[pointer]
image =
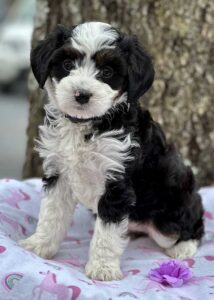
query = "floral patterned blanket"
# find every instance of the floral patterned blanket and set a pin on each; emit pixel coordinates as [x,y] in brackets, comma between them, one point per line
[23,275]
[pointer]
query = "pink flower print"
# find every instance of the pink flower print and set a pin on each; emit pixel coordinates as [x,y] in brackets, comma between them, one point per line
[209,257]
[50,285]
[132,272]
[190,262]
[2,249]
[208,215]
[14,224]
[16,197]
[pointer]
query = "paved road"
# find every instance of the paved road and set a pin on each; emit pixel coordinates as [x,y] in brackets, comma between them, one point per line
[13,124]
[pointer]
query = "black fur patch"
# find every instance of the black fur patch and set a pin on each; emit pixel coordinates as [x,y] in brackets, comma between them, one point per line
[56,66]
[41,56]
[161,187]
[49,182]
[114,59]
[116,203]
[140,67]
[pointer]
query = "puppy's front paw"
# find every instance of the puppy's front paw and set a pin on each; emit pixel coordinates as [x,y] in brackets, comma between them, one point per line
[41,247]
[103,271]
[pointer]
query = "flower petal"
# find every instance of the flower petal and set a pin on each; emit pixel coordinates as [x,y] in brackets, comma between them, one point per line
[154,275]
[174,282]
[170,279]
[173,273]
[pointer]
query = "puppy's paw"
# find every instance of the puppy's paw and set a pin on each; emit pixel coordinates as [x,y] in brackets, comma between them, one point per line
[100,271]
[183,249]
[41,247]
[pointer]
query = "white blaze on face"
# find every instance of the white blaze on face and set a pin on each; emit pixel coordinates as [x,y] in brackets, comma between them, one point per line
[87,38]
[101,100]
[93,36]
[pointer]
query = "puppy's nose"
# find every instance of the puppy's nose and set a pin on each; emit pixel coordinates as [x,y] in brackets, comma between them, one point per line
[82,97]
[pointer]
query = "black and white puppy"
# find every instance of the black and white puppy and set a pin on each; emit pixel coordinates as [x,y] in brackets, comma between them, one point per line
[102,150]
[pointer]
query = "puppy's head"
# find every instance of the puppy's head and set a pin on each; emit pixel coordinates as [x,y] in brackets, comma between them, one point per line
[91,68]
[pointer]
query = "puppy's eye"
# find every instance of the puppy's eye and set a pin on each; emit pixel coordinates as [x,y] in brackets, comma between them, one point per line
[107,72]
[68,64]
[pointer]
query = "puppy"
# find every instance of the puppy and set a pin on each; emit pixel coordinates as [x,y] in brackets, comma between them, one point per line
[102,150]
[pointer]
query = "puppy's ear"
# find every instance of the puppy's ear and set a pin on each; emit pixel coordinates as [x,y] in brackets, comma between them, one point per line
[140,68]
[41,55]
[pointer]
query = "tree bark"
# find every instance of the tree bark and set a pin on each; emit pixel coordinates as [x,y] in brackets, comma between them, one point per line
[179,35]
[49,13]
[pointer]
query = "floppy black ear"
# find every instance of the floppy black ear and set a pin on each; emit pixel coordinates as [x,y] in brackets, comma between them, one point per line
[140,68]
[41,55]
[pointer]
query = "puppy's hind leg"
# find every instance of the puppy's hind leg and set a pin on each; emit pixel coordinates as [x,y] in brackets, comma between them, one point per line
[180,250]
[183,249]
[191,231]
[162,240]
[55,216]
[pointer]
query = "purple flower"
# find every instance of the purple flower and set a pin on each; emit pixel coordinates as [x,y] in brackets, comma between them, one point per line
[174,273]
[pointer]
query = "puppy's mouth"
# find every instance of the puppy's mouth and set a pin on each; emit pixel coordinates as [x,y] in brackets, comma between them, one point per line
[80,120]
[77,118]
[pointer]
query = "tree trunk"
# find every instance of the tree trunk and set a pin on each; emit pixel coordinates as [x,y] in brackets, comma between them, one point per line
[49,13]
[179,35]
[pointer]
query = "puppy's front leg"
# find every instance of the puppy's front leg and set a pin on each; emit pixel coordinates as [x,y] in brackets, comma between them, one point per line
[55,216]
[110,233]
[107,246]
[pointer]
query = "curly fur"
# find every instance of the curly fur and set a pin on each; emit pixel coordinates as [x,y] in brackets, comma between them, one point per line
[109,155]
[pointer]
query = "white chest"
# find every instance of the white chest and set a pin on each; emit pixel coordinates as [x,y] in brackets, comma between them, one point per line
[86,164]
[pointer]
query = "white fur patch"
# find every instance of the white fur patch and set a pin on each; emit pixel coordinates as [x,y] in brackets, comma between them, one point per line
[86,165]
[107,245]
[102,99]
[93,36]
[54,219]
[183,249]
[162,240]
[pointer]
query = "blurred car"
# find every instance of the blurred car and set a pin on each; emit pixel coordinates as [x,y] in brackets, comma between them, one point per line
[15,38]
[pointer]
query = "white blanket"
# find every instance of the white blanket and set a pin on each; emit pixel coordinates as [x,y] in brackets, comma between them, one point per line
[23,275]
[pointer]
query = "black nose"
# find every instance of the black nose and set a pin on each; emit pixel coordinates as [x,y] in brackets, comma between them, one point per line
[82,97]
